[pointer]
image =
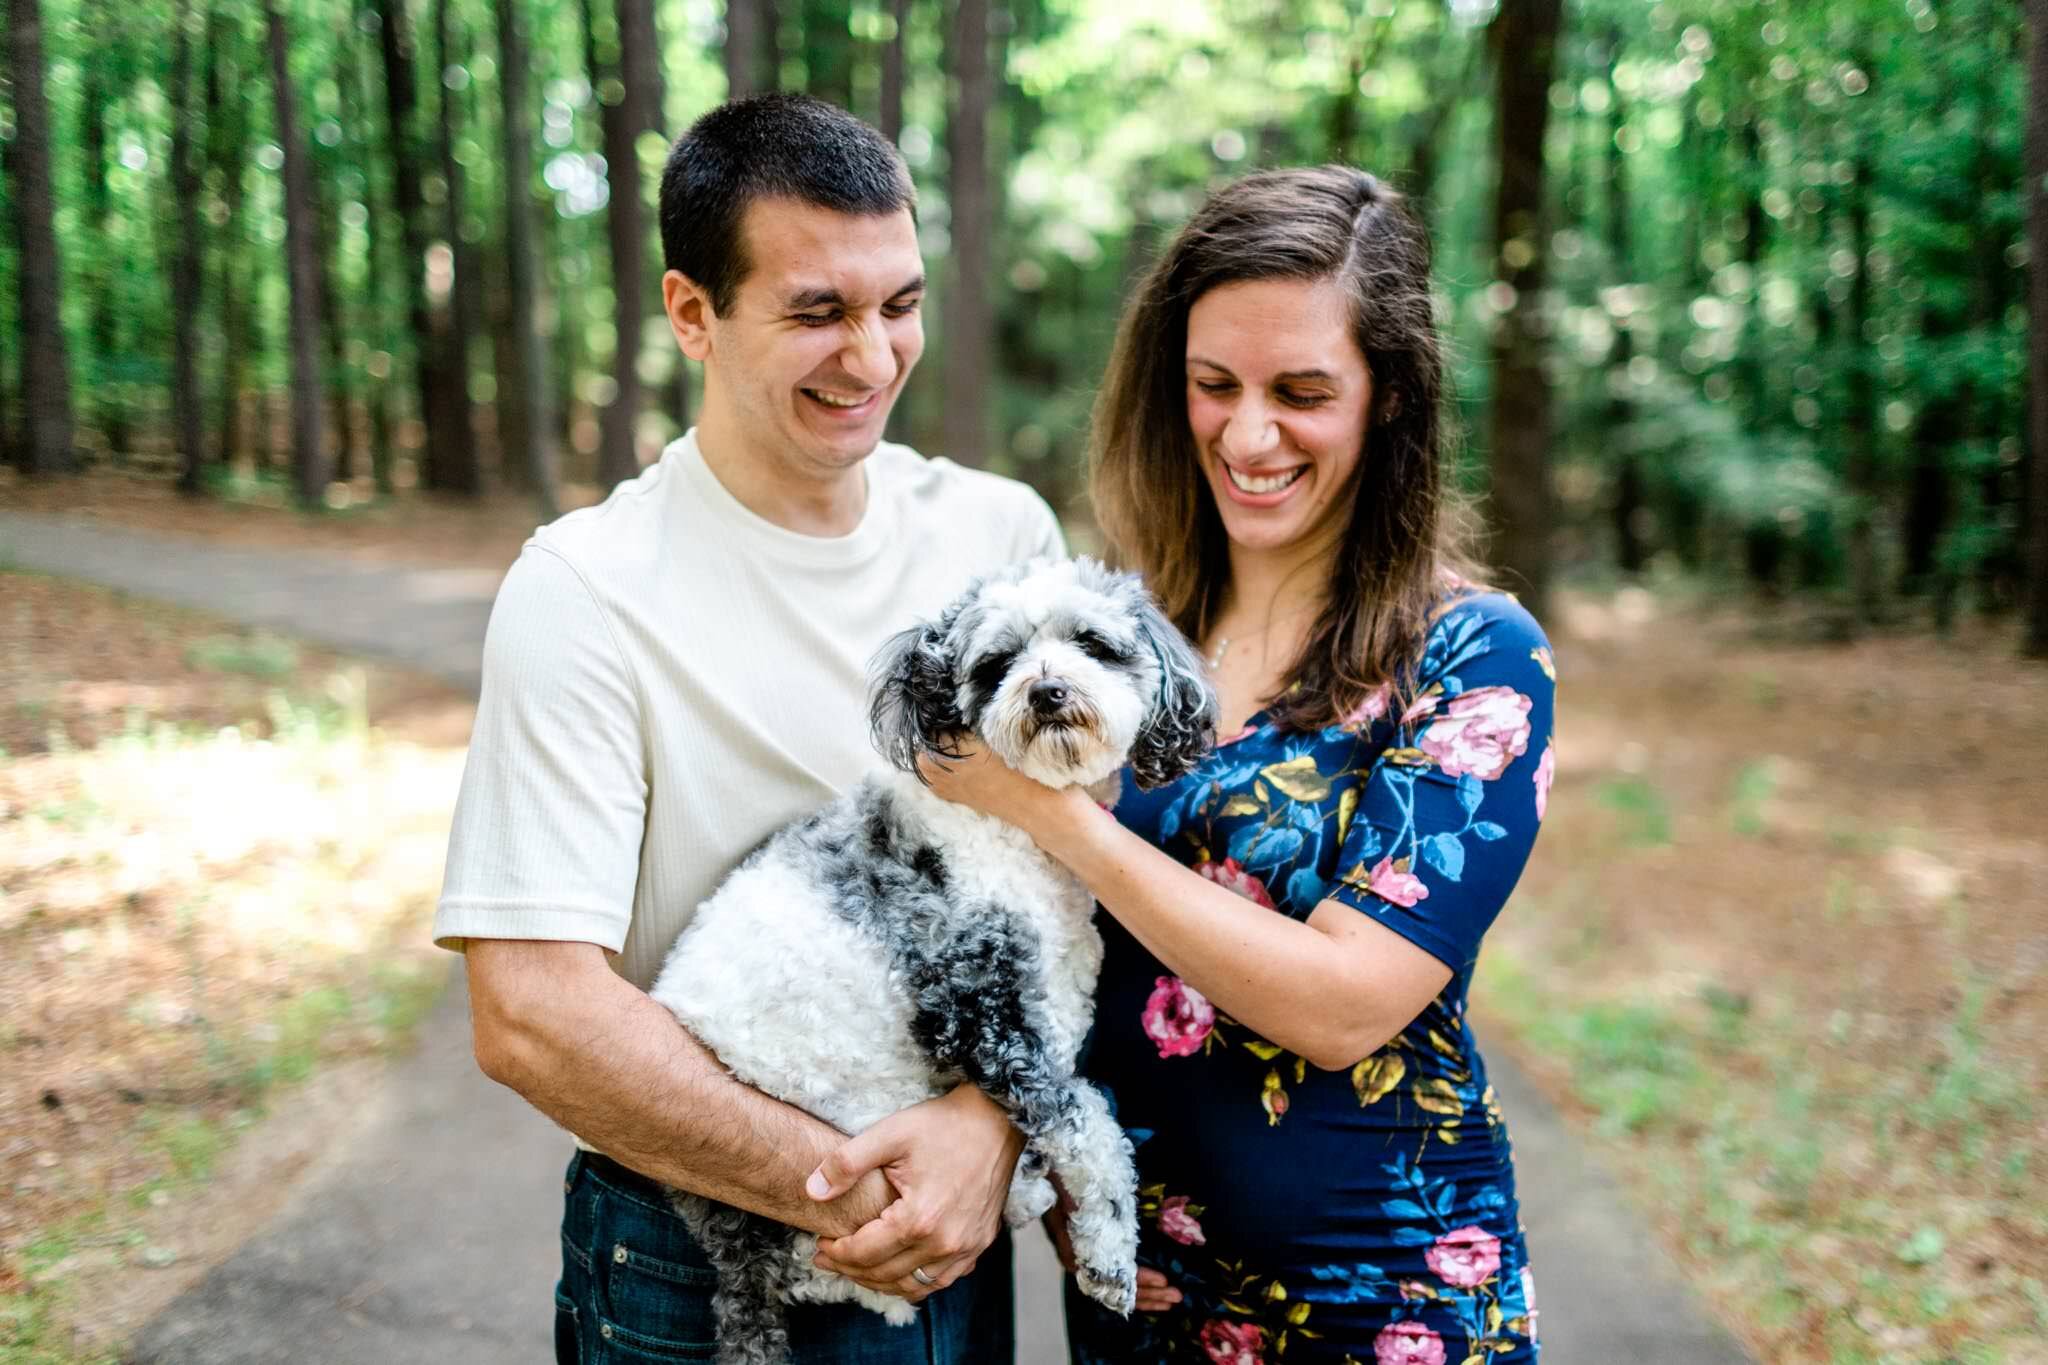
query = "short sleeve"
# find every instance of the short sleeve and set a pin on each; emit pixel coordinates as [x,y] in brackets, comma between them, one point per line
[1041,537]
[1450,808]
[548,827]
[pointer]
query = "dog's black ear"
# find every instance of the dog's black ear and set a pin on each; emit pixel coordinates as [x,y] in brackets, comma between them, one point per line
[1181,726]
[910,696]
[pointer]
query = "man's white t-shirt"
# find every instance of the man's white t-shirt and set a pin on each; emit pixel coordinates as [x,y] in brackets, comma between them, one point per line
[669,678]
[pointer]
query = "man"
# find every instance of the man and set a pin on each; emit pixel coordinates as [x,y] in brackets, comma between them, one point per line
[672,675]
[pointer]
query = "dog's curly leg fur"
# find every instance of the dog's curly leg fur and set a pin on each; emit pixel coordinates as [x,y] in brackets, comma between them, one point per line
[750,1254]
[981,1012]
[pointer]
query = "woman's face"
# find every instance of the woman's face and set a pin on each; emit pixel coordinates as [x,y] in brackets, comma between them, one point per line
[1278,397]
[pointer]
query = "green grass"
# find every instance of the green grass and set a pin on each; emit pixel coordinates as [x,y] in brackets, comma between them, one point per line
[257,655]
[1755,785]
[1643,814]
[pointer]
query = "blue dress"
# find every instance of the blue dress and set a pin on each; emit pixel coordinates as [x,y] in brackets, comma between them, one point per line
[1366,1214]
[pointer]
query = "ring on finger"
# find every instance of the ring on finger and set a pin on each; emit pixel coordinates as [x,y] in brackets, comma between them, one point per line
[918,1273]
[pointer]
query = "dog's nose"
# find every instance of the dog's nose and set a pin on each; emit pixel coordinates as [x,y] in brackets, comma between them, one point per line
[1048,695]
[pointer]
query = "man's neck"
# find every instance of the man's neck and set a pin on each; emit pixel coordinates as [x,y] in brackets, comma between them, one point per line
[778,491]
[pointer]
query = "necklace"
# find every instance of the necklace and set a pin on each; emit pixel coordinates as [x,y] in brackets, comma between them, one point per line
[1216,654]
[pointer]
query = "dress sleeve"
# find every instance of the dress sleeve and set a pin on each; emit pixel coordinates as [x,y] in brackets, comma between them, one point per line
[548,827]
[1449,810]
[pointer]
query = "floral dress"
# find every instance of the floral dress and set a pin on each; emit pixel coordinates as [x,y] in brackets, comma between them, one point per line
[1364,1215]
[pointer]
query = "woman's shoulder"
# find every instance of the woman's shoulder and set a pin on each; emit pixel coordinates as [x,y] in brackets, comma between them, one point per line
[1473,620]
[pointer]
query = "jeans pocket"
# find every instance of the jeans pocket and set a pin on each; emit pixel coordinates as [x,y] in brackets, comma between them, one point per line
[654,1282]
[568,1346]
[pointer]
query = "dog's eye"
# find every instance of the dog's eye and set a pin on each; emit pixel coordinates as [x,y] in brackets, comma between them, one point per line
[988,675]
[1100,649]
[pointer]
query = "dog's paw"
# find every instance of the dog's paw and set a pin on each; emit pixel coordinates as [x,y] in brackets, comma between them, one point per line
[1116,1290]
[898,1313]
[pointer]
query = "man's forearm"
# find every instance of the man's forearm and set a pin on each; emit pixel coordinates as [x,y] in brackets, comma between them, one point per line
[616,1069]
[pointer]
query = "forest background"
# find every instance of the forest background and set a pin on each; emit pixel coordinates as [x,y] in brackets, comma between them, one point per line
[1740,299]
[1735,283]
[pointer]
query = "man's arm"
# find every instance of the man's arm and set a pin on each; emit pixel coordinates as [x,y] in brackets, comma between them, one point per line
[594,1053]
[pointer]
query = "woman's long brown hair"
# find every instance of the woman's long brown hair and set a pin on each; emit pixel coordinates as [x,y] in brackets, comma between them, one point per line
[1407,531]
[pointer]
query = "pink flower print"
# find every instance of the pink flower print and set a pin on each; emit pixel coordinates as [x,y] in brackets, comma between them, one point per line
[1546,773]
[1229,873]
[1481,732]
[1396,884]
[1466,1257]
[1238,1343]
[1373,708]
[1407,1343]
[1176,1222]
[1177,1017]
[1423,706]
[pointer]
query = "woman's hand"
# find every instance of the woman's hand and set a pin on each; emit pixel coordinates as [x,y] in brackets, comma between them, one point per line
[977,779]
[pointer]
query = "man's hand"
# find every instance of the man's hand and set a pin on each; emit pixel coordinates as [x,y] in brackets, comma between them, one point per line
[950,1161]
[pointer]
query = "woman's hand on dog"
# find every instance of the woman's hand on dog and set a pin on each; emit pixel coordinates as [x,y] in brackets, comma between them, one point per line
[972,776]
[1155,1295]
[950,1160]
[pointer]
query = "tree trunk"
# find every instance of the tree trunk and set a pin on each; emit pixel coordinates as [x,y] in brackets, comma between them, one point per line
[889,115]
[745,47]
[1859,420]
[302,245]
[227,135]
[529,437]
[621,72]
[1630,553]
[47,438]
[372,314]
[109,405]
[969,320]
[1524,37]
[444,406]
[2036,181]
[188,264]
[465,306]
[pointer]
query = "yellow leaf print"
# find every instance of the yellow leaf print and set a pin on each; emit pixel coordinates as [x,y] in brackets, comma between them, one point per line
[1298,778]
[1276,1292]
[1441,1044]
[1265,1052]
[1543,661]
[1407,758]
[1347,806]
[1298,1314]
[1259,790]
[1375,1078]
[1300,1070]
[1273,1099]
[1241,805]
[1479,1359]
[1438,1096]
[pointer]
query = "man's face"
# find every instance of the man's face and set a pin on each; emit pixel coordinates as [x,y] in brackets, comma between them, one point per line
[820,335]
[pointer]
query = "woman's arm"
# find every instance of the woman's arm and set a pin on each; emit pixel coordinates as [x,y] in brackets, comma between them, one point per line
[1444,823]
[1332,988]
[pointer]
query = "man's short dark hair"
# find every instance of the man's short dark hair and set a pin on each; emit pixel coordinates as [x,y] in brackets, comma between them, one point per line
[786,145]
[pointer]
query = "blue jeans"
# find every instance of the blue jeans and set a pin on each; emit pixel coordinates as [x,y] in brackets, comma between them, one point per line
[636,1287]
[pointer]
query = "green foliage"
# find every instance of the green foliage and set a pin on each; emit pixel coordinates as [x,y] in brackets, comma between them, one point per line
[256,654]
[1708,163]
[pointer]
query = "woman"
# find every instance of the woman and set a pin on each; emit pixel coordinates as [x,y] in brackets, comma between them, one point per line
[1280,1020]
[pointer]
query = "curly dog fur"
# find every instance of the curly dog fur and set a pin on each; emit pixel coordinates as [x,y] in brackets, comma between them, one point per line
[894,944]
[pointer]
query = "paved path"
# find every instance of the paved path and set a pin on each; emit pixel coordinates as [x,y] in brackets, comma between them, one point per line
[429,1234]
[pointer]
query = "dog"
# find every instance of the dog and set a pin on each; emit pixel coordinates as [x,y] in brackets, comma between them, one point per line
[895,944]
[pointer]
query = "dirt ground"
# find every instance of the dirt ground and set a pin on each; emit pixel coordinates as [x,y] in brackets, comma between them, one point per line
[1782,954]
[218,851]
[414,528]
